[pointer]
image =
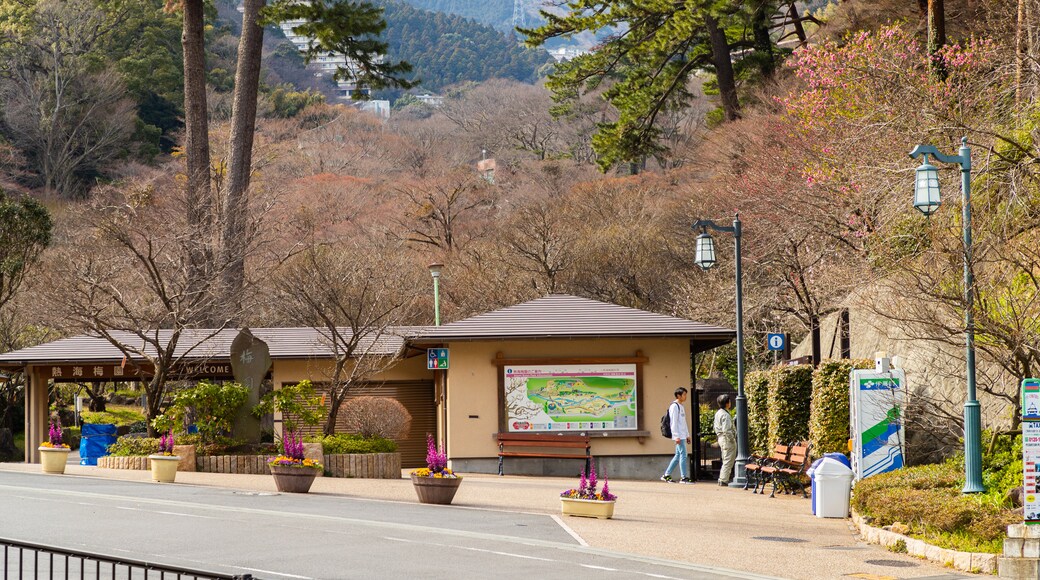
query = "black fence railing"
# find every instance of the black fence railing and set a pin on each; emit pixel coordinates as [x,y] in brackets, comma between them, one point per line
[22,561]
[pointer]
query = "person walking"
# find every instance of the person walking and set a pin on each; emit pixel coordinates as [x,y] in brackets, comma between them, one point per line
[727,434]
[681,436]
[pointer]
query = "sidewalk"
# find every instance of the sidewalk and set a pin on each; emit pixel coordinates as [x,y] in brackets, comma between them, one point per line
[701,523]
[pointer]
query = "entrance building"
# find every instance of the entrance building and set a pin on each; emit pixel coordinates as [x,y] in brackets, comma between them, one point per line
[557,364]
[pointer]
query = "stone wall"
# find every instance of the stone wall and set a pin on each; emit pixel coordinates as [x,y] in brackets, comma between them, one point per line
[966,561]
[366,465]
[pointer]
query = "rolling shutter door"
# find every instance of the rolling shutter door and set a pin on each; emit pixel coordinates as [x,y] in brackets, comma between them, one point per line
[417,397]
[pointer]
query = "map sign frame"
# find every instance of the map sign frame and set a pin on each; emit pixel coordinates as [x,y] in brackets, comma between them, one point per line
[571,398]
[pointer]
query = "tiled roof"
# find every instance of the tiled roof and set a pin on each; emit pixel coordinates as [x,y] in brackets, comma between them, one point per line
[554,316]
[563,316]
[208,345]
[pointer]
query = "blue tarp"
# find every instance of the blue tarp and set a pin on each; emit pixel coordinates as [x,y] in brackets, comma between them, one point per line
[94,442]
[98,429]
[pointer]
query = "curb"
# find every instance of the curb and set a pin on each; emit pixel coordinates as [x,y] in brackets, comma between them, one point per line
[973,562]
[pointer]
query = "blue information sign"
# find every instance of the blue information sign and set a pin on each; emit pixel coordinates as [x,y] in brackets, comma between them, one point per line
[436,358]
[776,341]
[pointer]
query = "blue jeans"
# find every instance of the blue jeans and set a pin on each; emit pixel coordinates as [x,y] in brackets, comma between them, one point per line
[680,459]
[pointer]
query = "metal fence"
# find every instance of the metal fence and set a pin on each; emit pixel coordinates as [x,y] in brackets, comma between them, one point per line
[22,560]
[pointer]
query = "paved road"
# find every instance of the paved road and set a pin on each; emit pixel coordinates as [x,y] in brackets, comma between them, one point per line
[281,536]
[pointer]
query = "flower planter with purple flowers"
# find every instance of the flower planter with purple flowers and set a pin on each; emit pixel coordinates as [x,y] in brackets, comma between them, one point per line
[292,472]
[164,463]
[585,501]
[54,454]
[435,483]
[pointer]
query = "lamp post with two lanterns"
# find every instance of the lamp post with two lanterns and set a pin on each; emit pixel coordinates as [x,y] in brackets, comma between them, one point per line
[704,256]
[927,200]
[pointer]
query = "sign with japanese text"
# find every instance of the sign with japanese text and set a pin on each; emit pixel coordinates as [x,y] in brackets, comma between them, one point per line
[570,397]
[97,372]
[876,414]
[1030,450]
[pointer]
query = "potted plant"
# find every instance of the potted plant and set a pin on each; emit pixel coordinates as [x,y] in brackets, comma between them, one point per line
[585,501]
[291,471]
[54,454]
[435,483]
[164,463]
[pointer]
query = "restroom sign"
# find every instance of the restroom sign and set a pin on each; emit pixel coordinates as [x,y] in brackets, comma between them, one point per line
[436,358]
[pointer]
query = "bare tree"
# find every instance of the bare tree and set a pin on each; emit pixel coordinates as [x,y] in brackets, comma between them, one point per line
[127,277]
[70,119]
[354,294]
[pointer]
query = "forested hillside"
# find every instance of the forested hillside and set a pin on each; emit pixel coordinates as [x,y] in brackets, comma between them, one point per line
[445,49]
[809,143]
[496,13]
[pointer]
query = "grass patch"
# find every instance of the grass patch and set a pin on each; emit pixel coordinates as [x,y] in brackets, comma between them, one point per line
[118,415]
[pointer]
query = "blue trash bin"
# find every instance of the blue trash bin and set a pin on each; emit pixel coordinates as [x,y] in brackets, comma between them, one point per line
[841,457]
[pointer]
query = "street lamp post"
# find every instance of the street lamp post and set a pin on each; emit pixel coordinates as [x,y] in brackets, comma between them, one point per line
[927,200]
[435,271]
[704,256]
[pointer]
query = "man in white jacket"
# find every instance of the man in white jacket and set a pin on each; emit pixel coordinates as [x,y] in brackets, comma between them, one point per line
[681,436]
[727,434]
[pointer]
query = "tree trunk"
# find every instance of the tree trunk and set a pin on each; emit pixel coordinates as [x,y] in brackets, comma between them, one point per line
[763,43]
[936,34]
[799,30]
[243,129]
[199,199]
[1020,52]
[723,68]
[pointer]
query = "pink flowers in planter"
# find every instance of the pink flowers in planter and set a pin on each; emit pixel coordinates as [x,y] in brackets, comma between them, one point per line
[587,487]
[54,437]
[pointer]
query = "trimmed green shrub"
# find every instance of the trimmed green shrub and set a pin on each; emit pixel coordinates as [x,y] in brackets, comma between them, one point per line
[127,446]
[928,499]
[352,443]
[214,407]
[790,392]
[829,411]
[756,389]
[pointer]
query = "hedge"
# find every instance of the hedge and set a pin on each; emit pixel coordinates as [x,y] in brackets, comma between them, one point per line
[756,390]
[790,392]
[829,414]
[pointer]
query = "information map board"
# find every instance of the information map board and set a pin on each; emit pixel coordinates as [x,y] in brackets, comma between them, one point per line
[876,415]
[570,397]
[1030,450]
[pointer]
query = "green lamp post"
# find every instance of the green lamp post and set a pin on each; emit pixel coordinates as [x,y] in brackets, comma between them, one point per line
[704,256]
[927,200]
[435,271]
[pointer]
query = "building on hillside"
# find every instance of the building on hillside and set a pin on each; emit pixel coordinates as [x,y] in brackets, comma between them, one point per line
[430,99]
[555,365]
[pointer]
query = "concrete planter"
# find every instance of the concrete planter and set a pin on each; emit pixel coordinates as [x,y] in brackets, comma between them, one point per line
[358,465]
[53,459]
[164,467]
[587,508]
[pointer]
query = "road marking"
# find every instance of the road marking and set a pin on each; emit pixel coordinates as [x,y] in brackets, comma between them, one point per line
[598,567]
[568,529]
[275,573]
[303,519]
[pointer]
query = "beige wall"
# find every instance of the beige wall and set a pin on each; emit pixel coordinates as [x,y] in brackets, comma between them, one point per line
[473,389]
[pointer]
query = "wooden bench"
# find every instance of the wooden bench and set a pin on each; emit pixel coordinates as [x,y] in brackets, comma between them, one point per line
[543,445]
[762,469]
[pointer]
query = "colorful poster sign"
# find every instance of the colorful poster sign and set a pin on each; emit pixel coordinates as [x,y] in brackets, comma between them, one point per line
[876,415]
[570,398]
[1030,450]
